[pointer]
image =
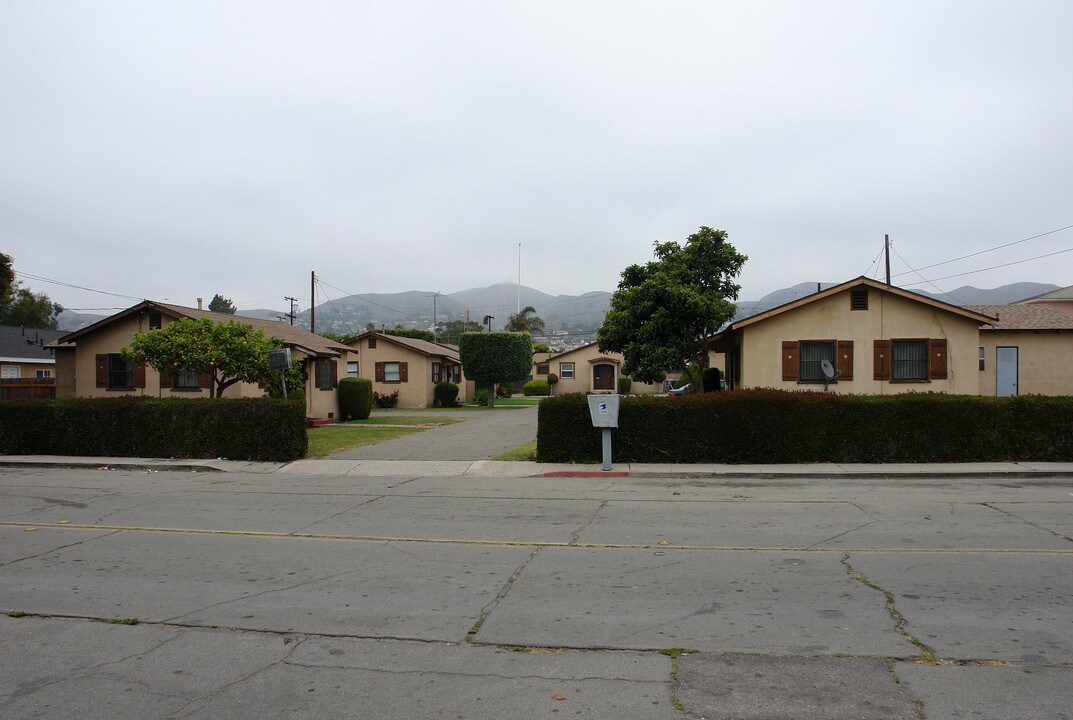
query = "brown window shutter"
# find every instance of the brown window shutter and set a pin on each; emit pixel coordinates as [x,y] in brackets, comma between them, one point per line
[167,380]
[937,359]
[139,375]
[402,372]
[204,380]
[102,371]
[379,372]
[844,360]
[335,372]
[791,360]
[881,360]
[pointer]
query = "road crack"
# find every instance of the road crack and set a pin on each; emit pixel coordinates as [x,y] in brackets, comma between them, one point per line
[927,653]
[494,602]
[575,536]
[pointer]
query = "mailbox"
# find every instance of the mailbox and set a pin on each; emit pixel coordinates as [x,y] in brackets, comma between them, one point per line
[279,359]
[604,410]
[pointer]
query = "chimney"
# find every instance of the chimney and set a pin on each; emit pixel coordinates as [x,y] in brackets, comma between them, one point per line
[199,301]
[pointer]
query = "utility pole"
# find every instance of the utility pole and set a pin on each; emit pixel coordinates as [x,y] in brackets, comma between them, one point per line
[312,301]
[886,251]
[435,295]
[519,310]
[292,315]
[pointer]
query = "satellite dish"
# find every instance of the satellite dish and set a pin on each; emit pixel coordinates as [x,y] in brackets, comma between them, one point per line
[828,369]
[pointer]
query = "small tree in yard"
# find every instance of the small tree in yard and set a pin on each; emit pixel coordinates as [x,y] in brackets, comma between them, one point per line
[230,352]
[664,311]
[489,358]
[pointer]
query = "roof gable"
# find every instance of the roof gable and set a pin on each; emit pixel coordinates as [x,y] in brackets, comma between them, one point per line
[424,347]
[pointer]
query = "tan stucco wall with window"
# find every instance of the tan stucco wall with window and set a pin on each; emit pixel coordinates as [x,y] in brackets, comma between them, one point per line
[418,391]
[1044,361]
[584,359]
[887,317]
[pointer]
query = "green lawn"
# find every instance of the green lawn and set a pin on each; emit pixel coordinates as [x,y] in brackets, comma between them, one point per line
[518,401]
[334,438]
[520,454]
[406,420]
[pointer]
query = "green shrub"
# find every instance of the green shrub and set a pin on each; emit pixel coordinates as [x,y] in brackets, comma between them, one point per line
[355,398]
[480,396]
[536,387]
[446,393]
[712,378]
[624,385]
[775,426]
[261,429]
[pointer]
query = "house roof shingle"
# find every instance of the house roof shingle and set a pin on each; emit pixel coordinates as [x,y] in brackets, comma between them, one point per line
[22,343]
[1025,317]
[422,346]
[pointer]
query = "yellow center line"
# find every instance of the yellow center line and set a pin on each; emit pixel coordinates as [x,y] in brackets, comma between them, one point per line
[331,537]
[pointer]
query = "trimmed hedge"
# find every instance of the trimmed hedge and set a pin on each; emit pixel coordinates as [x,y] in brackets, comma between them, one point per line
[774,426]
[446,393]
[263,429]
[536,387]
[355,398]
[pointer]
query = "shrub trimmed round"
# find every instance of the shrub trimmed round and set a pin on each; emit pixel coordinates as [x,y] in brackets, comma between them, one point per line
[536,387]
[355,398]
[446,393]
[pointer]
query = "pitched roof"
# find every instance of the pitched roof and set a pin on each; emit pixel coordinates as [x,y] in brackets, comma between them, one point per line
[556,356]
[857,282]
[289,335]
[22,343]
[422,346]
[1065,293]
[1025,317]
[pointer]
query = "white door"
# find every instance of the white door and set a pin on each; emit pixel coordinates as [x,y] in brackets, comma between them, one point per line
[1006,371]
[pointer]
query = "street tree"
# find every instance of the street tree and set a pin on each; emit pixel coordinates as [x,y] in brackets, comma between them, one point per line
[492,357]
[221,304]
[21,306]
[525,321]
[664,310]
[230,352]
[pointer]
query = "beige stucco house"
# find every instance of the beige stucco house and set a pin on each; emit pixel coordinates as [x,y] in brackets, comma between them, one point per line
[408,365]
[1028,350]
[89,364]
[881,340]
[586,370]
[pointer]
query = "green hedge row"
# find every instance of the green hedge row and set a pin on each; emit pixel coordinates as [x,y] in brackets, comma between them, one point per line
[263,429]
[774,426]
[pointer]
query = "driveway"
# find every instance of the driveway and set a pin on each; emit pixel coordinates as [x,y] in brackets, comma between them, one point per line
[484,435]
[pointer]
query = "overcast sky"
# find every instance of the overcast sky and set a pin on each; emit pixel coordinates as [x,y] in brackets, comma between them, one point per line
[172,150]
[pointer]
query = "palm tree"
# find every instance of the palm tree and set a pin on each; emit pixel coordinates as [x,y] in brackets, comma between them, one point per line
[526,321]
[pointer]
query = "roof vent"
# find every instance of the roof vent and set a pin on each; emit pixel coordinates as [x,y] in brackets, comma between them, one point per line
[858,299]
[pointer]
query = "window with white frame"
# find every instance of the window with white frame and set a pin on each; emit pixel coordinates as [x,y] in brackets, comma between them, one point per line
[566,371]
[983,358]
[437,374]
[187,379]
[42,374]
[352,369]
[391,372]
[9,372]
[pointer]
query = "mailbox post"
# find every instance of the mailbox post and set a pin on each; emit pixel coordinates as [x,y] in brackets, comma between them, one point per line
[280,360]
[603,409]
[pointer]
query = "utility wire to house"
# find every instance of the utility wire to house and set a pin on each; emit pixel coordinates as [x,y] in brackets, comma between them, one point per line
[365,299]
[929,282]
[995,267]
[997,247]
[39,278]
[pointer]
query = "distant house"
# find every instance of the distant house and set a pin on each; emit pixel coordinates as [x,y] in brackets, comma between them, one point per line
[1061,300]
[27,366]
[1028,350]
[879,338]
[89,363]
[586,370]
[408,365]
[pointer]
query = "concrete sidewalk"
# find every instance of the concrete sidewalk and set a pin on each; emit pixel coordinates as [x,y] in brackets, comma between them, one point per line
[495,468]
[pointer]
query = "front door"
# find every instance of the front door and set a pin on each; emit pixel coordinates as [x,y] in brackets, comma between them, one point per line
[1006,371]
[603,377]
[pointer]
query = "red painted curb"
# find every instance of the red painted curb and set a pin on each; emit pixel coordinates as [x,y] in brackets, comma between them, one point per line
[586,473]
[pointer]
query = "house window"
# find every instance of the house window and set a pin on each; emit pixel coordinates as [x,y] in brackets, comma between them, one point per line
[9,372]
[983,356]
[120,373]
[566,371]
[436,372]
[42,374]
[456,374]
[542,369]
[325,370]
[372,343]
[187,379]
[391,372]
[813,353]
[858,299]
[909,360]
[352,369]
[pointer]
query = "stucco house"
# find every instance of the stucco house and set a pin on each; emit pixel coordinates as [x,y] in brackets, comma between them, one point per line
[408,365]
[1060,299]
[586,370]
[27,364]
[881,339]
[1028,350]
[89,364]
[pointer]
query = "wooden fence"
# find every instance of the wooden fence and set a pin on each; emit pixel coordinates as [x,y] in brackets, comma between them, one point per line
[28,389]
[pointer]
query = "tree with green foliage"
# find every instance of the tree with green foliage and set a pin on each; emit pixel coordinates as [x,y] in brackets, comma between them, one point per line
[452,330]
[664,311]
[411,333]
[355,398]
[541,347]
[221,304]
[20,306]
[230,352]
[490,358]
[525,321]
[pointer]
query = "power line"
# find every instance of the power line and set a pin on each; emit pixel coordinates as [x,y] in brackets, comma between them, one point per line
[929,282]
[371,302]
[995,267]
[997,247]
[77,287]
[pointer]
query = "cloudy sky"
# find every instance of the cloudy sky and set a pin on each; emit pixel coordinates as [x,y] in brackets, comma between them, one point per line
[177,149]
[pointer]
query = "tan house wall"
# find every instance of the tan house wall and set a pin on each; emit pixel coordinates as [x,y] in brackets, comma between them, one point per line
[28,368]
[1044,361]
[887,317]
[418,391]
[584,359]
[65,373]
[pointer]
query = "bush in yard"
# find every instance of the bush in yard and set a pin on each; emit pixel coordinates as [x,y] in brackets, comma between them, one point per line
[355,398]
[261,429]
[775,426]
[480,396]
[536,387]
[712,378]
[445,393]
[553,380]
[386,401]
[624,385]
[489,358]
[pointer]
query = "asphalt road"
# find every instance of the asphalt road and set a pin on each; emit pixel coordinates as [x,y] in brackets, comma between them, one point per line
[286,596]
